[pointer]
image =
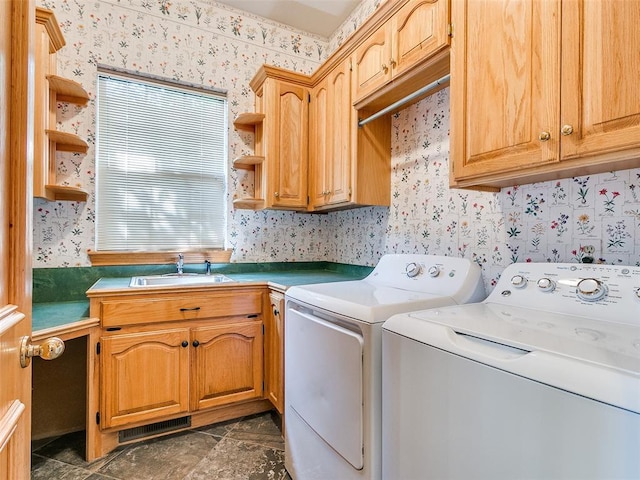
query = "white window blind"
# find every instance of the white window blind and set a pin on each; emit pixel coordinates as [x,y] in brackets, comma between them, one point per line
[161,166]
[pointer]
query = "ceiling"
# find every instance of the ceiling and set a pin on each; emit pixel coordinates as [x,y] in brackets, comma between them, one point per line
[321,17]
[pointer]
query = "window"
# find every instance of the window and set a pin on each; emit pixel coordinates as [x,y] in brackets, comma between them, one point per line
[160,165]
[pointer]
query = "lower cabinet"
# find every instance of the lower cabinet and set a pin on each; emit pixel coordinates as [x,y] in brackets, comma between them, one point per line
[274,351]
[227,364]
[150,375]
[209,354]
[145,375]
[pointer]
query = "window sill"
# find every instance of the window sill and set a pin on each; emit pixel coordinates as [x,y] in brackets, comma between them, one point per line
[104,258]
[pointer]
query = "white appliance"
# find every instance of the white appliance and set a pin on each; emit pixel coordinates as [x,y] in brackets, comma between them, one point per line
[539,381]
[333,364]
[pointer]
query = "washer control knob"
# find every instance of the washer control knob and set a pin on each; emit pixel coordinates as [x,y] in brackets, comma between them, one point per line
[434,271]
[412,270]
[518,281]
[591,289]
[546,284]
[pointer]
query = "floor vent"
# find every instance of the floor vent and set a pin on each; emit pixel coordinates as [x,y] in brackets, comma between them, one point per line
[153,429]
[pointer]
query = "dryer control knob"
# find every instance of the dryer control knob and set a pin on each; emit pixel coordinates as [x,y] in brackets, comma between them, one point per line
[518,281]
[412,270]
[434,271]
[546,284]
[591,289]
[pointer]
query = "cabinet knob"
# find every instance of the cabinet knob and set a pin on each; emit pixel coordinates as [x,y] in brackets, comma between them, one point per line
[276,312]
[196,343]
[385,69]
[567,130]
[544,136]
[392,62]
[185,344]
[276,194]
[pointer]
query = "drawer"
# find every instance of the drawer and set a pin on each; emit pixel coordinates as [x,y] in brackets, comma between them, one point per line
[183,307]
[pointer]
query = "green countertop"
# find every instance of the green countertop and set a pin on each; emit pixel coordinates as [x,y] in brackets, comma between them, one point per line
[55,314]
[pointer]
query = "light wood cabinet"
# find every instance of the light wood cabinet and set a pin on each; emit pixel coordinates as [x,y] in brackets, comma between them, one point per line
[281,142]
[227,364]
[349,165]
[274,351]
[168,353]
[543,90]
[415,33]
[330,150]
[145,376]
[49,90]
[371,62]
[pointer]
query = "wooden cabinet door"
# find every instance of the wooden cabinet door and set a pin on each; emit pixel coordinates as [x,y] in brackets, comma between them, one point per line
[288,117]
[274,352]
[17,21]
[227,364]
[330,145]
[339,134]
[144,376]
[505,74]
[419,29]
[600,111]
[371,62]
[318,152]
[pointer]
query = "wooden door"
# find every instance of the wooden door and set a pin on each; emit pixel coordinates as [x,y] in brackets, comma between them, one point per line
[17,22]
[339,134]
[227,364]
[505,74]
[274,352]
[144,376]
[318,153]
[600,81]
[287,155]
[371,63]
[419,29]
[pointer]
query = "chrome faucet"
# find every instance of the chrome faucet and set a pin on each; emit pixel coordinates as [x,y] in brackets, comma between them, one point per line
[207,267]
[180,263]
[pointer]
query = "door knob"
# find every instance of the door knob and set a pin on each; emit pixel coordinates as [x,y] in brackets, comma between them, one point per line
[49,349]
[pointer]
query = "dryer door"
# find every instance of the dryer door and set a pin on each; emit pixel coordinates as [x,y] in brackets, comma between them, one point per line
[324,380]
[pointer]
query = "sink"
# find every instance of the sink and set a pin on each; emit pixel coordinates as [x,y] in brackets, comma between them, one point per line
[174,279]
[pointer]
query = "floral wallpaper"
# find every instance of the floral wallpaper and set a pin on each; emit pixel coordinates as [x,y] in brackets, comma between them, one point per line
[208,44]
[542,222]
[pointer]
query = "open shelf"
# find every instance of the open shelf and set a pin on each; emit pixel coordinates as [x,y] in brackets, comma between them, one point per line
[247,162]
[249,203]
[68,90]
[66,192]
[67,142]
[248,121]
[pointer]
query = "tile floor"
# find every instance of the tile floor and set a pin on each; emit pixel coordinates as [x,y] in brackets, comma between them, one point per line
[250,448]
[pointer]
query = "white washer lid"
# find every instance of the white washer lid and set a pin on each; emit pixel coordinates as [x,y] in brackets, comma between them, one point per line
[365,301]
[600,360]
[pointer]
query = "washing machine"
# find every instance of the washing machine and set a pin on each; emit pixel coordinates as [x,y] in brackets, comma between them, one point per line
[539,381]
[333,359]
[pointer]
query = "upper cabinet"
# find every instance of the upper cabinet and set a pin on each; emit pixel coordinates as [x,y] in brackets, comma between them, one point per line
[286,108]
[416,33]
[542,90]
[330,142]
[49,90]
[281,130]
[310,153]
[418,30]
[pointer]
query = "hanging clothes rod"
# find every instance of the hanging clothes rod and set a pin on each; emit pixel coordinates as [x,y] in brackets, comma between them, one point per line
[406,99]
